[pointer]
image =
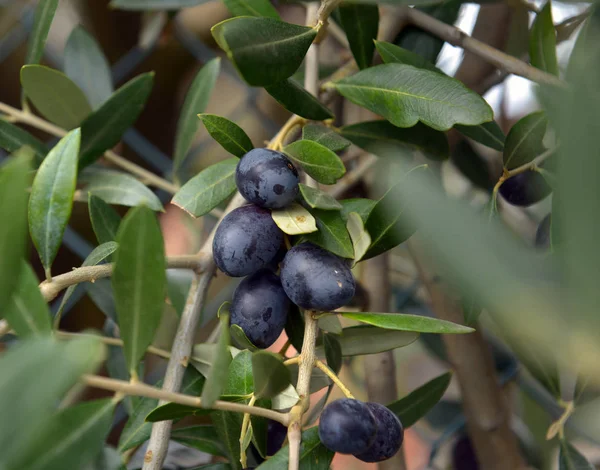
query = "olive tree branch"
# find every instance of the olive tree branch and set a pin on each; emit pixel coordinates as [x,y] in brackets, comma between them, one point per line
[50,289]
[142,390]
[336,380]
[27,117]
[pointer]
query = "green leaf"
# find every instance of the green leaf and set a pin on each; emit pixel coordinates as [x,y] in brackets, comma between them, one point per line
[384,139]
[264,50]
[294,327]
[228,426]
[359,340]
[318,199]
[14,179]
[55,96]
[392,54]
[524,141]
[405,95]
[240,339]
[214,466]
[361,206]
[404,322]
[361,240]
[203,438]
[387,227]
[173,411]
[333,352]
[228,134]
[195,102]
[207,189]
[330,324]
[472,310]
[51,197]
[13,138]
[103,129]
[294,219]
[44,14]
[286,399]
[71,440]
[473,166]
[417,404]
[27,312]
[87,66]
[217,378]
[178,286]
[251,8]
[325,136]
[313,454]
[240,380]
[105,220]
[36,374]
[270,375]
[316,160]
[135,5]
[488,134]
[569,458]
[99,254]
[542,42]
[297,100]
[107,459]
[360,22]
[333,234]
[139,282]
[118,188]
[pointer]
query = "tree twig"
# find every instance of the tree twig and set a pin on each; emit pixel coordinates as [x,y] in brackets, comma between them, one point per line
[50,289]
[336,380]
[139,389]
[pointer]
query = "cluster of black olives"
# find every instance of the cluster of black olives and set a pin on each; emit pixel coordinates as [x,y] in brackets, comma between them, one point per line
[249,243]
[369,431]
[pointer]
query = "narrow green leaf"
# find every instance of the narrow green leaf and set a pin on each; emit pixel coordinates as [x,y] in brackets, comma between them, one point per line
[240,339]
[87,66]
[27,312]
[207,189]
[103,129]
[240,380]
[392,54]
[570,458]
[333,352]
[135,5]
[524,141]
[172,411]
[363,339]
[405,95]
[325,136]
[203,438]
[417,404]
[384,139]
[294,220]
[118,188]
[542,41]
[313,454]
[51,198]
[139,282]
[286,399]
[217,379]
[195,102]
[99,254]
[270,375]
[73,438]
[330,324]
[36,373]
[473,166]
[179,282]
[105,220]
[361,240]
[228,134]
[361,206]
[317,160]
[488,133]
[55,96]
[14,179]
[228,426]
[333,234]
[293,97]
[13,138]
[403,322]
[318,199]
[251,8]
[361,23]
[44,14]
[264,50]
[386,226]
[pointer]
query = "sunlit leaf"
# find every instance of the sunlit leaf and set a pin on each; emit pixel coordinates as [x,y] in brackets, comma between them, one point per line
[317,160]
[404,322]
[44,14]
[325,136]
[318,199]
[294,220]
[228,134]
[361,240]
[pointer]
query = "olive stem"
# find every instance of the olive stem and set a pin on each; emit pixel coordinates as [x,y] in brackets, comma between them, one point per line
[243,432]
[336,380]
[140,389]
